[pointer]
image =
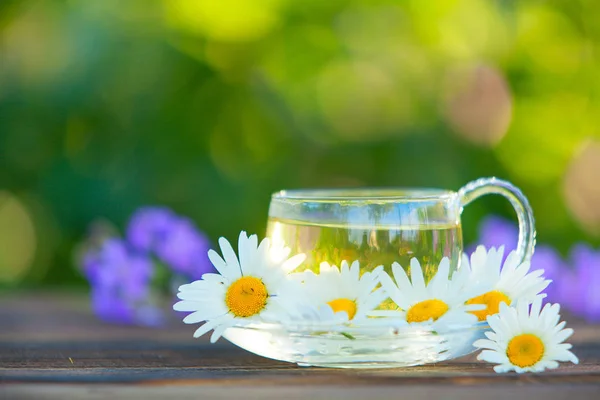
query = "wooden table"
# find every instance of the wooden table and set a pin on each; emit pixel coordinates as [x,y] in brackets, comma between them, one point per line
[52,347]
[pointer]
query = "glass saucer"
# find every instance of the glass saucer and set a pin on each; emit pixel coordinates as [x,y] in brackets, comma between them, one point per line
[357,347]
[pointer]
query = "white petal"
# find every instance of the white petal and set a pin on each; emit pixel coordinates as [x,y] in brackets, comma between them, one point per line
[203,315]
[392,290]
[207,327]
[454,319]
[564,356]
[496,324]
[293,262]
[265,254]
[201,285]
[515,274]
[372,300]
[247,250]
[520,370]
[545,364]
[213,278]
[387,313]
[193,295]
[189,305]
[464,263]
[404,288]
[480,265]
[503,368]
[523,308]
[549,316]
[187,286]
[558,327]
[509,317]
[439,282]
[563,335]
[416,274]
[536,306]
[220,264]
[218,331]
[485,344]
[355,269]
[491,356]
[563,346]
[325,268]
[229,255]
[345,268]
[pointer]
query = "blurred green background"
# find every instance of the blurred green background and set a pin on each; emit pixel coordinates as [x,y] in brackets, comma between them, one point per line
[209,106]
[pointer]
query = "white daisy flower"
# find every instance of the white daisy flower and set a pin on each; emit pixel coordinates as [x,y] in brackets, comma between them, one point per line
[344,290]
[526,341]
[440,303]
[504,284]
[245,290]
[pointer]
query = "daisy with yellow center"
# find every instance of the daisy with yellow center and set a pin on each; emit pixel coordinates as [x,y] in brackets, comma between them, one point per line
[505,284]
[524,340]
[440,303]
[246,290]
[343,290]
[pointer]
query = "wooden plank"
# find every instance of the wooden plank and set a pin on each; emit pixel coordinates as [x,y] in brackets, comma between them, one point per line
[293,392]
[68,356]
[52,347]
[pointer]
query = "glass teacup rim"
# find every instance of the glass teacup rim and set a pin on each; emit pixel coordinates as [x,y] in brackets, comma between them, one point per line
[361,194]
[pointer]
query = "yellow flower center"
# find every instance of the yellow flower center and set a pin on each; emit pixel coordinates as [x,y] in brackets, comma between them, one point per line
[347,305]
[426,310]
[525,350]
[490,299]
[246,297]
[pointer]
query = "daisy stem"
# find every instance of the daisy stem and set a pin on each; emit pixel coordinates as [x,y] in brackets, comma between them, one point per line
[347,335]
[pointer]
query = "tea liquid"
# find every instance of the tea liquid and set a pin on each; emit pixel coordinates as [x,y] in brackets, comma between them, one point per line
[371,245]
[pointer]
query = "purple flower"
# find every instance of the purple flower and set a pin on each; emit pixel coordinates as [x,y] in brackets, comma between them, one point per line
[120,278]
[148,226]
[548,259]
[580,288]
[116,265]
[577,288]
[175,240]
[185,249]
[121,272]
[496,231]
[110,307]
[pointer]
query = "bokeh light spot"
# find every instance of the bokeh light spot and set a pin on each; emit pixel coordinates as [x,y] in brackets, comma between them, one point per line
[361,102]
[581,187]
[479,108]
[17,239]
[548,40]
[461,29]
[36,46]
[224,20]
[543,136]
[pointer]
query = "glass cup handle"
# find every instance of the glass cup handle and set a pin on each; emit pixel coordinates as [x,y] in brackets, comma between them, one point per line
[483,186]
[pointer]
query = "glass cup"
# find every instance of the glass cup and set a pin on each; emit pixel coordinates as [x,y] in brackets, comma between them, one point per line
[382,226]
[376,227]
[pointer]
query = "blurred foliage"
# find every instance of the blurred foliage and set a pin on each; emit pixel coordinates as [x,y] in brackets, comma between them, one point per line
[209,106]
